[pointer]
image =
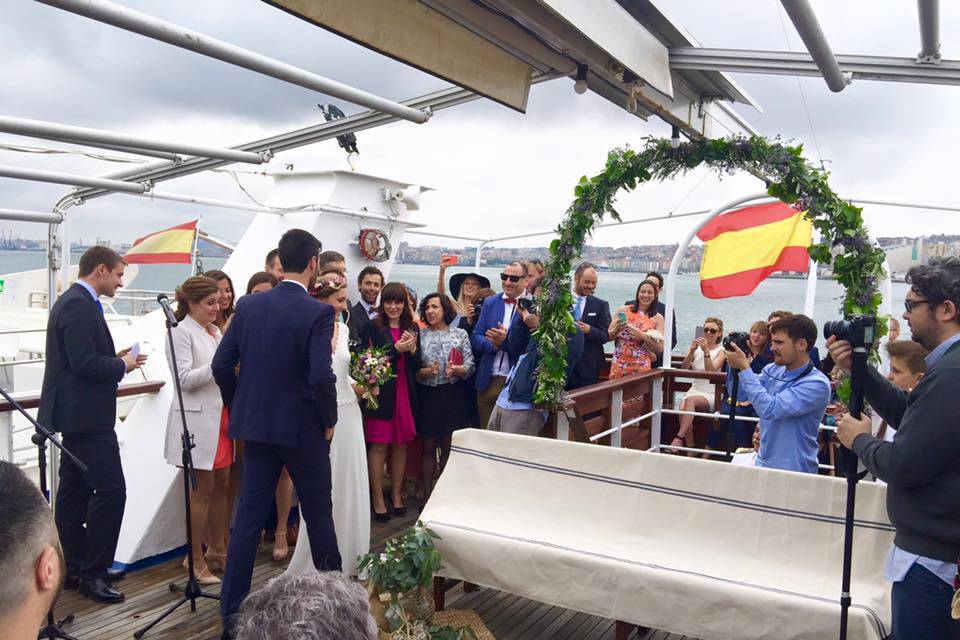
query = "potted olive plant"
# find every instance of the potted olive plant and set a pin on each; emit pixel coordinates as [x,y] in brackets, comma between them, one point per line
[401,575]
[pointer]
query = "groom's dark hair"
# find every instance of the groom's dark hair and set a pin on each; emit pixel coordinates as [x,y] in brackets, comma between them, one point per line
[297,247]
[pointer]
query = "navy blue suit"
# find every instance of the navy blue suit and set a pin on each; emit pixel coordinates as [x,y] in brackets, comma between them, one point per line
[280,405]
[79,399]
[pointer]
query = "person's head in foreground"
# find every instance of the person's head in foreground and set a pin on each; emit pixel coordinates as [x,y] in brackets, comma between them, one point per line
[907,363]
[933,302]
[791,339]
[317,606]
[31,561]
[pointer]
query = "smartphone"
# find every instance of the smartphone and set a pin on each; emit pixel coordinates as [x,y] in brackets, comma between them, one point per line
[698,332]
[450,260]
[135,350]
[622,317]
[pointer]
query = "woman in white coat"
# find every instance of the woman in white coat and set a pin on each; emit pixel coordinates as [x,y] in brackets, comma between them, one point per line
[196,339]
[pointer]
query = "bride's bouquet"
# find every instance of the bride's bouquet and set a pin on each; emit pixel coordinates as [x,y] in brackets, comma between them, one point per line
[370,369]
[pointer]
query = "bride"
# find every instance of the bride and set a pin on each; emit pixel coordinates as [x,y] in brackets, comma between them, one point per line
[348,454]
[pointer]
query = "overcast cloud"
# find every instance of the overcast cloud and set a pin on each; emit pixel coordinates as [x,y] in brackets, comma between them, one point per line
[496,172]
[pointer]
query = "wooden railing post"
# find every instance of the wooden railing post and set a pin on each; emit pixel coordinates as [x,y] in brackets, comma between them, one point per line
[563,426]
[616,417]
[657,416]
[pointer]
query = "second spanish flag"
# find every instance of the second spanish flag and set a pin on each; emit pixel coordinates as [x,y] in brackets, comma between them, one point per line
[743,247]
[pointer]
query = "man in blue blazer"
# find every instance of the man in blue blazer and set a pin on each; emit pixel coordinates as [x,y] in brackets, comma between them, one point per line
[283,406]
[489,338]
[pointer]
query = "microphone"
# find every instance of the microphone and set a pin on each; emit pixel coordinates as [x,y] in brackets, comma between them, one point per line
[167,311]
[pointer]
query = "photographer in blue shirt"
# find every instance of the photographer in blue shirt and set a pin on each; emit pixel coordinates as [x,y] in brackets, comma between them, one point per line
[790,396]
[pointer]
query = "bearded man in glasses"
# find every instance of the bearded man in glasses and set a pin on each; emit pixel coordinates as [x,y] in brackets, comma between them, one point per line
[490,338]
[922,465]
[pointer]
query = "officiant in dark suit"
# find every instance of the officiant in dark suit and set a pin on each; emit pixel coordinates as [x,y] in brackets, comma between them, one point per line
[593,317]
[79,399]
[284,407]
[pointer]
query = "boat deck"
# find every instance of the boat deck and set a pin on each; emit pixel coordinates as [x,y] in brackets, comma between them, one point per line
[508,617]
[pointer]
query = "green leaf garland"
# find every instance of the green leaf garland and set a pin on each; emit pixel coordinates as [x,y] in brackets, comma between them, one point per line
[790,178]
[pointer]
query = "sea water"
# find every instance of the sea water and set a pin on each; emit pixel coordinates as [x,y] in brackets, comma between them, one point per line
[615,287]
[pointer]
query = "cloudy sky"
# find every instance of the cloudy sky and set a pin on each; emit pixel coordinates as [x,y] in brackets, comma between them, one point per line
[496,172]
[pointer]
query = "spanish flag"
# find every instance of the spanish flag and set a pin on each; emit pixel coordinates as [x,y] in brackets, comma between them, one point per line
[173,245]
[743,247]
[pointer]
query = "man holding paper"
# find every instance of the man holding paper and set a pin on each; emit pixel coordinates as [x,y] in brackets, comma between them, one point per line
[79,399]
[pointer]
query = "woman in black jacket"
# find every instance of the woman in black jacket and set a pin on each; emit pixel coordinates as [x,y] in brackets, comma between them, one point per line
[391,424]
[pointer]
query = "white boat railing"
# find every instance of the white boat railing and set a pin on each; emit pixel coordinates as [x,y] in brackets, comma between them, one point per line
[651,387]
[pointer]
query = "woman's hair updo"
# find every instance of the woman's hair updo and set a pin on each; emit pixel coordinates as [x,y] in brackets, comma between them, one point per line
[194,290]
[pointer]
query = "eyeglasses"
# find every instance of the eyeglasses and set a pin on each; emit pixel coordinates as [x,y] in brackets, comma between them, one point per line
[910,304]
[506,276]
[708,330]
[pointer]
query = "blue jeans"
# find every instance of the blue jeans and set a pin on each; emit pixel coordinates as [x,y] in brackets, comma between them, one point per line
[921,607]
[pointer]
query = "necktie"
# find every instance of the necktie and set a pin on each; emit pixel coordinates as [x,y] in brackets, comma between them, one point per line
[578,311]
[509,301]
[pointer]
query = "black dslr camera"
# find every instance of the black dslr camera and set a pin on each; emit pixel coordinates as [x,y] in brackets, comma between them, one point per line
[859,331]
[739,338]
[526,303]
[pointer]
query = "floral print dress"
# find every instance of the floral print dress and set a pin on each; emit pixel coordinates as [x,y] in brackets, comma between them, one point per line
[630,354]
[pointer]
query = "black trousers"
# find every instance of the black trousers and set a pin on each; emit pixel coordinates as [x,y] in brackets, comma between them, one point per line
[90,504]
[309,467]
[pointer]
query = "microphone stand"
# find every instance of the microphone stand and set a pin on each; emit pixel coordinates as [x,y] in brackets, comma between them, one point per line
[847,463]
[53,628]
[191,590]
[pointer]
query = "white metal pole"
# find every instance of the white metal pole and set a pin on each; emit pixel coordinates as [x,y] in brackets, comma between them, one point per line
[71,179]
[65,256]
[93,137]
[476,264]
[668,301]
[810,296]
[21,215]
[178,36]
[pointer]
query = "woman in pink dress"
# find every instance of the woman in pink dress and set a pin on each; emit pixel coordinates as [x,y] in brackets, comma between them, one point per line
[389,427]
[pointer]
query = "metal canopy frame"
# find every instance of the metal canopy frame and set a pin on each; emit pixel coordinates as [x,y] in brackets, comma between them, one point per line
[883,68]
[178,36]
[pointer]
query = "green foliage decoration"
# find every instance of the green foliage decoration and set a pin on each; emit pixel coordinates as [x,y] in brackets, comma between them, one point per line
[858,267]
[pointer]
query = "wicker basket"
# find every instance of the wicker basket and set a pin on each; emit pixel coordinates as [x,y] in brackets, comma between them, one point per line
[458,619]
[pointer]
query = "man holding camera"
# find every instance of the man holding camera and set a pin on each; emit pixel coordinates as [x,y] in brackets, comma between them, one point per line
[789,396]
[921,466]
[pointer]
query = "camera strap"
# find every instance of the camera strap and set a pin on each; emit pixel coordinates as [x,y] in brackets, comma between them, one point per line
[807,370]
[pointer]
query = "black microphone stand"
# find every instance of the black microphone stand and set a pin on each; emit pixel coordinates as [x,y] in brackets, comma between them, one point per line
[53,629]
[847,464]
[191,590]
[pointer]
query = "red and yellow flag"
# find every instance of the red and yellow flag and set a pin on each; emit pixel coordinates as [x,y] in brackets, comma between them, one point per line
[743,247]
[173,245]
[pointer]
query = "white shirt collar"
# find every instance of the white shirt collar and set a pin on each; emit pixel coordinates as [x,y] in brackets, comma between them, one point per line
[298,283]
[90,290]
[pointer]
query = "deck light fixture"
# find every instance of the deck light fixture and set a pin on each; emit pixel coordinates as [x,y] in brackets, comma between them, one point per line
[675,137]
[580,86]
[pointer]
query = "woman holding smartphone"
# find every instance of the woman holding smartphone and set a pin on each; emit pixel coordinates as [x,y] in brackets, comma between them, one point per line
[637,331]
[705,354]
[390,427]
[445,360]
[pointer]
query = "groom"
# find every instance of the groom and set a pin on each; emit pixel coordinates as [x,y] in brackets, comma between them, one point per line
[284,408]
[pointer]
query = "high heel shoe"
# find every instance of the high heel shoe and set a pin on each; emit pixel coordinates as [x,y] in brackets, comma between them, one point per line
[203,574]
[215,561]
[280,548]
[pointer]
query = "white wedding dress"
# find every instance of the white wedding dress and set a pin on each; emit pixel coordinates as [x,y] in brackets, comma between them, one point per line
[348,470]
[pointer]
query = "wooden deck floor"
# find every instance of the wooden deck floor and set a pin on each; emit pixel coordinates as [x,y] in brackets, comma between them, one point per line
[508,617]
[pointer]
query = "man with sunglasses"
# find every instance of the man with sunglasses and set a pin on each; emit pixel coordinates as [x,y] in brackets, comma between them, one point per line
[921,466]
[490,338]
